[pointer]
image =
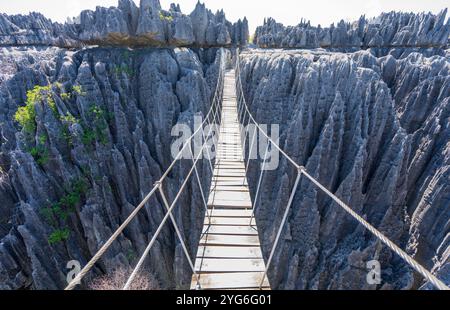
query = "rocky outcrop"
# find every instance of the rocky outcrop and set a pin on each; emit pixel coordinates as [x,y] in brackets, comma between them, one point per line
[240,32]
[389,30]
[34,29]
[372,126]
[108,24]
[101,138]
[127,24]
[374,131]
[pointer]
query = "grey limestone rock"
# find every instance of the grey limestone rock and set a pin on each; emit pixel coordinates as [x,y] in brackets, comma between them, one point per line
[374,131]
[126,25]
[34,29]
[150,25]
[389,30]
[117,140]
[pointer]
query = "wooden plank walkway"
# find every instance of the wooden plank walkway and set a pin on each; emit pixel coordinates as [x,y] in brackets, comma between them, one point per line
[229,253]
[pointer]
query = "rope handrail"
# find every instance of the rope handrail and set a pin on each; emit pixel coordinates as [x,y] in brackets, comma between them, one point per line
[169,214]
[302,170]
[158,184]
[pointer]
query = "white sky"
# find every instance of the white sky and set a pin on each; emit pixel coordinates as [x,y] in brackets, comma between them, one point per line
[288,12]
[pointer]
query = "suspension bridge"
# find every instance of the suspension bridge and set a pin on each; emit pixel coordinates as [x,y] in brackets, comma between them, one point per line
[229,254]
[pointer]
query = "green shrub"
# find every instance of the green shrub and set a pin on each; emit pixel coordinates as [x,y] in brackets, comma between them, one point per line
[26,115]
[80,186]
[100,115]
[123,68]
[67,135]
[96,129]
[67,120]
[40,154]
[65,96]
[60,211]
[73,198]
[59,235]
[88,137]
[131,255]
[42,139]
[48,214]
[163,17]
[77,89]
[97,112]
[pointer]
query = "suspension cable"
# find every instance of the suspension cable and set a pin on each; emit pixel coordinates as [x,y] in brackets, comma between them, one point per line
[161,225]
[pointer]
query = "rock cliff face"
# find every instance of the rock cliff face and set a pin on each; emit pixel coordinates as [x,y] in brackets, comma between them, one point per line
[129,25]
[34,29]
[389,30]
[375,131]
[84,134]
[98,140]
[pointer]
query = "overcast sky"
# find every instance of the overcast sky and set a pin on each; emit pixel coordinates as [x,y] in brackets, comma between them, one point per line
[288,12]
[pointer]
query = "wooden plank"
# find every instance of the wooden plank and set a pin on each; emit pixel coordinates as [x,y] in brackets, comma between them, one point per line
[233,204]
[220,196]
[220,163]
[233,167]
[231,195]
[231,182]
[230,134]
[233,240]
[242,280]
[230,165]
[228,173]
[229,178]
[231,213]
[231,252]
[213,265]
[230,146]
[229,230]
[240,172]
[230,156]
[229,221]
[229,150]
[224,161]
[226,150]
[231,188]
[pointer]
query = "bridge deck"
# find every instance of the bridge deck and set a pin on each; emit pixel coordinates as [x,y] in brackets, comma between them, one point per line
[229,254]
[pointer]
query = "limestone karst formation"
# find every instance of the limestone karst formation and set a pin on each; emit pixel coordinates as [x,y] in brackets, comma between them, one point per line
[390,30]
[87,108]
[375,131]
[129,25]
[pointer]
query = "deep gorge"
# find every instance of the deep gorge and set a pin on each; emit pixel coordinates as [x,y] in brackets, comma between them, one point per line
[87,108]
[114,133]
